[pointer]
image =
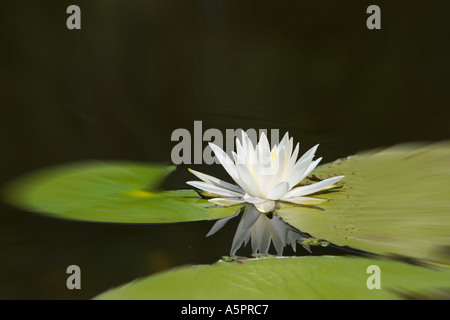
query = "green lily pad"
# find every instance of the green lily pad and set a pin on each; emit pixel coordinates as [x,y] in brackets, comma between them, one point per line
[273,278]
[393,202]
[122,192]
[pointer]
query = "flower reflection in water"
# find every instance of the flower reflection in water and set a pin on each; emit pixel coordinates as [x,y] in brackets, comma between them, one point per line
[261,230]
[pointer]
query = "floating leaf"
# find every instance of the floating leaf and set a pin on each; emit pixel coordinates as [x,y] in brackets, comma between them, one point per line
[394,202]
[123,192]
[273,278]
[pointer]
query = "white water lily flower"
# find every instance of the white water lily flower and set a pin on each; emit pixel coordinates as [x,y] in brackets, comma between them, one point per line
[263,175]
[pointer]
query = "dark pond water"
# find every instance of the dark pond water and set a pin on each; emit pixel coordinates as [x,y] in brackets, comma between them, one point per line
[135,72]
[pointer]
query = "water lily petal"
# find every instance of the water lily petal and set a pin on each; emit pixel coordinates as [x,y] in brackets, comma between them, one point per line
[247,145]
[290,160]
[264,145]
[225,160]
[293,180]
[307,201]
[284,141]
[248,198]
[289,147]
[213,189]
[312,188]
[265,206]
[278,191]
[226,202]
[294,154]
[298,171]
[216,182]
[309,154]
[241,152]
[246,180]
[280,162]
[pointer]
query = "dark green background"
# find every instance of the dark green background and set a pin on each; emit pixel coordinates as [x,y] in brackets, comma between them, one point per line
[137,70]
